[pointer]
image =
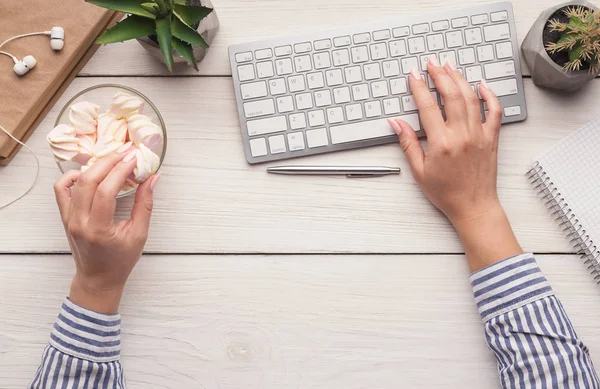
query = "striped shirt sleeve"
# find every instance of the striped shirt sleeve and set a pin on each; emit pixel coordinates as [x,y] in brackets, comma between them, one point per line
[528,330]
[83,352]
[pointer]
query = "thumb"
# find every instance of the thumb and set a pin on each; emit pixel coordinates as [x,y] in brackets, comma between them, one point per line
[410,145]
[142,206]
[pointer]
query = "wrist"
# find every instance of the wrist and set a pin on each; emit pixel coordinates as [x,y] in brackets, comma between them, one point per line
[104,301]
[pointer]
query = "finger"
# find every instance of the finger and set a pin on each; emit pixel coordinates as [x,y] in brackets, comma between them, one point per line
[494,116]
[473,104]
[454,102]
[88,182]
[410,145]
[62,192]
[429,110]
[142,208]
[105,199]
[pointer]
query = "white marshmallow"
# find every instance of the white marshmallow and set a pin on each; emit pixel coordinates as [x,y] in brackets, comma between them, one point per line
[83,117]
[142,130]
[125,105]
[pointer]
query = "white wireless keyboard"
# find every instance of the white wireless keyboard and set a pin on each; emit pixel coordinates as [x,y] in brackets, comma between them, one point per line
[333,90]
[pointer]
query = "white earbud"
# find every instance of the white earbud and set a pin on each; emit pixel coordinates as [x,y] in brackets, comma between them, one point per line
[57,42]
[57,38]
[25,65]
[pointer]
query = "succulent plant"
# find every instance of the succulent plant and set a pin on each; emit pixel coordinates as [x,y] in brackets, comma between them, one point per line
[171,21]
[580,37]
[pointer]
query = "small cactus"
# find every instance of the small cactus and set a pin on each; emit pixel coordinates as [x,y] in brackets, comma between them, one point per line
[580,38]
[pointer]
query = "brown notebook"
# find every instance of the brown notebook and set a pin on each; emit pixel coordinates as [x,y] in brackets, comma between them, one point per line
[25,100]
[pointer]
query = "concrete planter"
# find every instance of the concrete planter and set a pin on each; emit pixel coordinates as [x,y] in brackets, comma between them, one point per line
[208,28]
[544,71]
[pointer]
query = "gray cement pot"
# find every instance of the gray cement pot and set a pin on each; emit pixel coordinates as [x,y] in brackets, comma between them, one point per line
[208,29]
[544,71]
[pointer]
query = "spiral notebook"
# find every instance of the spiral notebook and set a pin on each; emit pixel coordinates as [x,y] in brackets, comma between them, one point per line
[568,179]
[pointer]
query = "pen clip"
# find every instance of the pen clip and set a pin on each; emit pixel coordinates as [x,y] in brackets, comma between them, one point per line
[367,175]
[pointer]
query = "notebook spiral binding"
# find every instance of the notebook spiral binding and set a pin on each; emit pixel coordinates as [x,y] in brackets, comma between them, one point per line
[589,251]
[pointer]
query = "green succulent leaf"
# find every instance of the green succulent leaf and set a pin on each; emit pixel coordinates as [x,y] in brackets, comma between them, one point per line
[576,21]
[150,7]
[186,52]
[186,33]
[575,53]
[190,15]
[163,32]
[162,8]
[130,28]
[133,7]
[180,2]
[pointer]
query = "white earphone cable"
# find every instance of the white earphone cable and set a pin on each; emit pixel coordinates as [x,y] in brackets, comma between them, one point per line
[15,60]
[23,36]
[37,172]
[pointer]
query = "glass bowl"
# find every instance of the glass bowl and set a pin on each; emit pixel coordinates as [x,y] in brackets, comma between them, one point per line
[102,95]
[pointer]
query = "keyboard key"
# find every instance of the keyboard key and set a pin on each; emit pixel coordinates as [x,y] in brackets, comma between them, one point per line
[323,98]
[244,57]
[304,101]
[381,35]
[505,87]
[401,32]
[322,60]
[362,38]
[425,59]
[334,77]
[277,144]
[323,44]
[341,57]
[284,66]
[246,72]
[302,63]
[479,19]
[485,53]
[267,126]
[499,70]
[473,36]
[420,28]
[391,106]
[342,41]
[259,108]
[372,109]
[296,83]
[373,129]
[263,54]
[466,56]
[409,103]
[285,104]
[501,16]
[408,64]
[435,42]
[378,51]
[316,118]
[504,50]
[512,111]
[360,92]
[398,86]
[416,45]
[353,74]
[264,69]
[379,89]
[496,32]
[441,25]
[341,95]
[253,90]
[448,56]
[258,147]
[277,86]
[473,74]
[372,71]
[391,68]
[315,80]
[335,115]
[397,48]
[354,112]
[297,121]
[282,51]
[454,39]
[359,54]
[296,141]
[317,138]
[460,22]
[301,48]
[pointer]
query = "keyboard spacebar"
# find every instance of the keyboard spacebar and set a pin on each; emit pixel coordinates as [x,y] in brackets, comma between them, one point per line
[368,130]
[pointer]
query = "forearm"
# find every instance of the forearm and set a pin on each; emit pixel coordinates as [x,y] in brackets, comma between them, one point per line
[83,351]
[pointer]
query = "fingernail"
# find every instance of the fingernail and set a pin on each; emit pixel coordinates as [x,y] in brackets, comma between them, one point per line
[155,181]
[395,126]
[485,84]
[451,65]
[129,156]
[415,74]
[124,148]
[434,61]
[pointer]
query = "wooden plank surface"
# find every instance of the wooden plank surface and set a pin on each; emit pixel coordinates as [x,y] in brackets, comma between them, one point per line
[211,201]
[246,21]
[280,322]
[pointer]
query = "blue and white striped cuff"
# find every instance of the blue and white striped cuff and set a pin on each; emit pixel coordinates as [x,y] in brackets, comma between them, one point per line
[508,285]
[86,334]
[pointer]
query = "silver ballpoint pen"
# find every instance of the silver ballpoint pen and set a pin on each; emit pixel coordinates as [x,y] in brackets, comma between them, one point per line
[348,171]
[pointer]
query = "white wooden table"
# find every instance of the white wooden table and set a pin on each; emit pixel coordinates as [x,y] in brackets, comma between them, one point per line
[261,281]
